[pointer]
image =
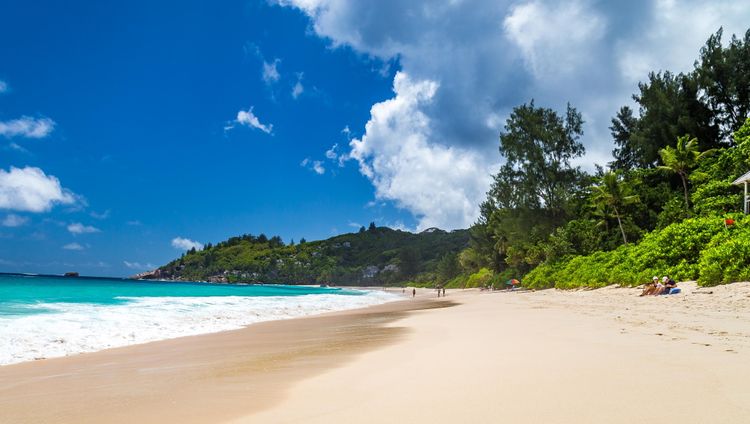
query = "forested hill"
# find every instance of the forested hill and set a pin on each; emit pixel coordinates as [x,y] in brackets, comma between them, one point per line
[374,256]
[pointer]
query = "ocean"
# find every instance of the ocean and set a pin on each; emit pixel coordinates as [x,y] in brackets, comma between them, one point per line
[47,316]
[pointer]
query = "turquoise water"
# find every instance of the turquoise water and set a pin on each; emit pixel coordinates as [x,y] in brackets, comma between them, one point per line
[46,317]
[22,294]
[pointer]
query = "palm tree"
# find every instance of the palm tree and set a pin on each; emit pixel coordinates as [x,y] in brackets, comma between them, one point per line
[681,159]
[611,193]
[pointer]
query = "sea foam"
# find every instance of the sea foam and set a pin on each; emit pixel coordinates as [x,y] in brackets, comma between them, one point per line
[71,328]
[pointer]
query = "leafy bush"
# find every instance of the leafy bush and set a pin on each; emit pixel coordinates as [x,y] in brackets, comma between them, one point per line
[479,278]
[716,198]
[458,282]
[673,211]
[727,257]
[675,251]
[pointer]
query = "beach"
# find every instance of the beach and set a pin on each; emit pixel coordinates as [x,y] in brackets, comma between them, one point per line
[550,356]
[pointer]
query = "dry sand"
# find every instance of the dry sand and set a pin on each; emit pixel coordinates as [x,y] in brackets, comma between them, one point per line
[600,356]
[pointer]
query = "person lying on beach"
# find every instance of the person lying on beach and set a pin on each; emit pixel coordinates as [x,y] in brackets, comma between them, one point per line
[652,287]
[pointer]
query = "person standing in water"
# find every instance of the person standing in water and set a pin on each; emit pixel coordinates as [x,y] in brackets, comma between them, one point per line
[413,292]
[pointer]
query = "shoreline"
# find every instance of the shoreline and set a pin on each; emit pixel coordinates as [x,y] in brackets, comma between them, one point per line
[590,356]
[128,314]
[270,355]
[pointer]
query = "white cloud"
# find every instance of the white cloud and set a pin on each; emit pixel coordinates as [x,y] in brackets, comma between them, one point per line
[298,88]
[27,126]
[98,215]
[139,266]
[313,165]
[676,34]
[554,38]
[186,244]
[438,184]
[17,147]
[331,153]
[465,64]
[78,228]
[248,119]
[13,220]
[270,71]
[73,246]
[3,86]
[30,189]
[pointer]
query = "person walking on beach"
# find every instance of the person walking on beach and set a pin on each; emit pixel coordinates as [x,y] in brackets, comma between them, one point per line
[443,291]
[413,292]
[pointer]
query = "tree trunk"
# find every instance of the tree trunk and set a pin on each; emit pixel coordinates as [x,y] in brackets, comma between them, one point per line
[685,187]
[622,230]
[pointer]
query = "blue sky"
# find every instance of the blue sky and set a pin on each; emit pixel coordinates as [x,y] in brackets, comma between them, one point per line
[129,130]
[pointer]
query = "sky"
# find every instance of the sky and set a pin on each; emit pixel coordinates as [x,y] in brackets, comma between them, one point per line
[133,131]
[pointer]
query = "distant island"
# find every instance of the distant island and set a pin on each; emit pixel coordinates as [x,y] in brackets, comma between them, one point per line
[369,257]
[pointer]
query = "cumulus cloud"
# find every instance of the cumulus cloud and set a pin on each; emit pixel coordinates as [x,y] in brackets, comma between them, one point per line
[27,126]
[441,185]
[13,220]
[186,244]
[247,118]
[78,228]
[139,266]
[331,153]
[465,64]
[270,71]
[314,165]
[29,189]
[676,33]
[298,88]
[544,34]
[73,246]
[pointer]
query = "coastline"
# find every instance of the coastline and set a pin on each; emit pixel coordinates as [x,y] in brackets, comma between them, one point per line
[549,356]
[104,386]
[43,317]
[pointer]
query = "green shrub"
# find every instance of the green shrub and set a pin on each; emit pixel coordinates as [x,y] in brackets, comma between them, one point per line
[716,198]
[675,251]
[457,282]
[673,211]
[479,278]
[727,257]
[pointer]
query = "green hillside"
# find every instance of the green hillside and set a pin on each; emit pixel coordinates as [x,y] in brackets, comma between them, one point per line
[376,256]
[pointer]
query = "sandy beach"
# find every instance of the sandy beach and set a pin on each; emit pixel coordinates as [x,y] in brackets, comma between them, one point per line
[533,357]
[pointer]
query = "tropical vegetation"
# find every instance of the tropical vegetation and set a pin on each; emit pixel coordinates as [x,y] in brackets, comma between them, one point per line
[375,256]
[665,205]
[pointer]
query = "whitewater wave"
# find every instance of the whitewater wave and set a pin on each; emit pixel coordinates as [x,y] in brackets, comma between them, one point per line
[72,328]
